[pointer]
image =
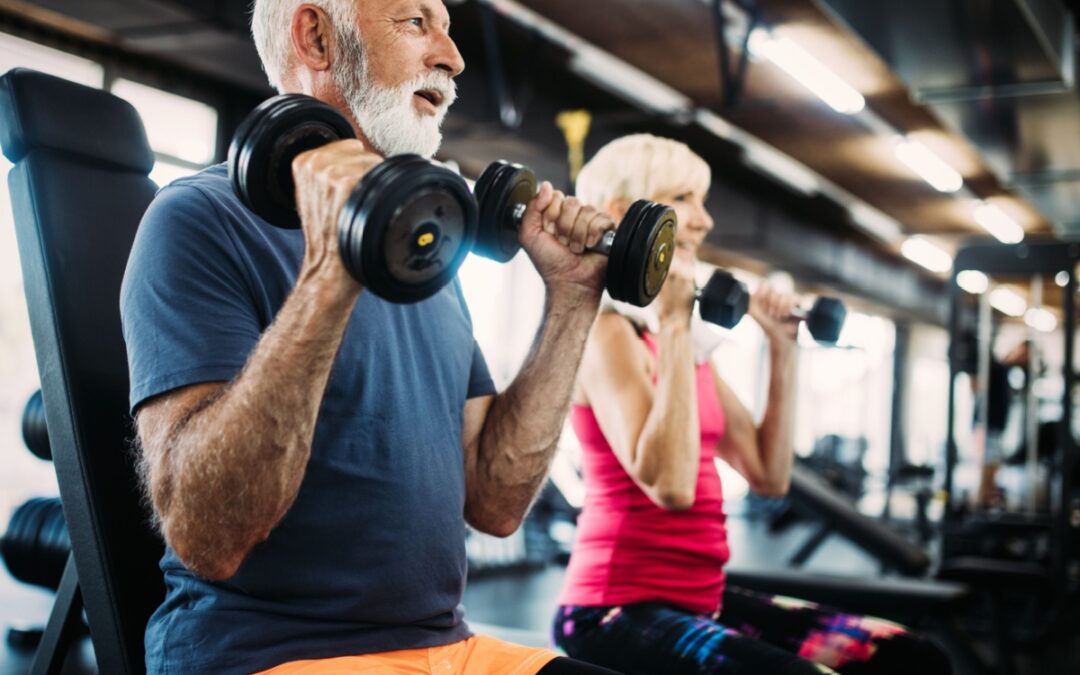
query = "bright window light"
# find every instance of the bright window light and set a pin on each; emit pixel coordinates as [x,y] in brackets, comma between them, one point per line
[996,222]
[928,166]
[15,52]
[175,125]
[922,252]
[1008,302]
[1061,278]
[972,281]
[807,71]
[165,172]
[1040,319]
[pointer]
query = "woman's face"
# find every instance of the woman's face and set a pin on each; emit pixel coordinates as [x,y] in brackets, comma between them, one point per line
[694,221]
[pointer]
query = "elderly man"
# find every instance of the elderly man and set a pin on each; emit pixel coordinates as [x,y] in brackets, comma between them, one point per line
[311,452]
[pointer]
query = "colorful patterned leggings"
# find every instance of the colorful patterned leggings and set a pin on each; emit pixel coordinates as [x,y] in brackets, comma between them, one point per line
[755,633]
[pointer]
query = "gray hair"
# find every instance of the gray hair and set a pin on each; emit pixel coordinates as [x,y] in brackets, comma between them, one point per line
[270,27]
[641,166]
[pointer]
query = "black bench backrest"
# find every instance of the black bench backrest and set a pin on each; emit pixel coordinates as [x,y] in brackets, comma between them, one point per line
[78,191]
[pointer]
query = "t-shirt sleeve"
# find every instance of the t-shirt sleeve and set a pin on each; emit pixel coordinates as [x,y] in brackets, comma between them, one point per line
[187,309]
[480,382]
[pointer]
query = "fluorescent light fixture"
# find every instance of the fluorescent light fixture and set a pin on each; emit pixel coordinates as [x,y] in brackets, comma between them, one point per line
[922,252]
[1061,278]
[875,222]
[1008,302]
[972,281]
[714,124]
[807,71]
[996,222]
[781,166]
[928,166]
[1040,319]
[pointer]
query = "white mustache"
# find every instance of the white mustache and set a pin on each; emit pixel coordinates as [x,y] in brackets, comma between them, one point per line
[436,81]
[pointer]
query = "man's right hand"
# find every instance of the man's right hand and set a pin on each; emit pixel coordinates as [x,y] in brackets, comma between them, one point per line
[675,302]
[324,178]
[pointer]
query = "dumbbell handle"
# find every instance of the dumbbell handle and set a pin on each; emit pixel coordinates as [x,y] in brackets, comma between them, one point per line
[602,247]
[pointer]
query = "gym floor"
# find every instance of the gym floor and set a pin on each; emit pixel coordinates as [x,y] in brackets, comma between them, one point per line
[526,600]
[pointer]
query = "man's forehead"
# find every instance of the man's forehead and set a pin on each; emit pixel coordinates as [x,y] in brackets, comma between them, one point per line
[434,8]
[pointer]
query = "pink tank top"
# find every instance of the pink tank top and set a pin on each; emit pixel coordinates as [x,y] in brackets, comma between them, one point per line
[628,549]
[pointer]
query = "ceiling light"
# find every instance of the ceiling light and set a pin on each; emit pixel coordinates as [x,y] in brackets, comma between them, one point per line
[928,166]
[808,71]
[996,222]
[1061,278]
[1040,319]
[972,281]
[922,252]
[1008,302]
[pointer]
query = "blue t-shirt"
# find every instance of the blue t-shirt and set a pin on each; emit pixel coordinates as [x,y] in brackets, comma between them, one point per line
[371,556]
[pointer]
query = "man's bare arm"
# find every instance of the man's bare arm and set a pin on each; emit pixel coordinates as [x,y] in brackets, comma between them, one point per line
[224,462]
[515,434]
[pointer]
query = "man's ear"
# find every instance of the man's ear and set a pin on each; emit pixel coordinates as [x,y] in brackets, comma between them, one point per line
[311,37]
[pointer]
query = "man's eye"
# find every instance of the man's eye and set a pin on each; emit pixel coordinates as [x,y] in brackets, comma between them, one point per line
[682,198]
[417,21]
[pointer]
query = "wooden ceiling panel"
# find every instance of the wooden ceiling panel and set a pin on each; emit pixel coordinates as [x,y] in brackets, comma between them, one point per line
[674,41]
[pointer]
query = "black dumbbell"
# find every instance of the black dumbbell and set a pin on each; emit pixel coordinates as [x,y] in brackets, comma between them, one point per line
[724,300]
[407,225]
[639,251]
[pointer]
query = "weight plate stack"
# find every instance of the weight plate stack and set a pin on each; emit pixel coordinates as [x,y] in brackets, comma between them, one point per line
[406,229]
[502,192]
[265,145]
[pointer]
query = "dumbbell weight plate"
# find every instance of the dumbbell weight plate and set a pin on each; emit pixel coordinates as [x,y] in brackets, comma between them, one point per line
[825,320]
[724,300]
[502,190]
[264,147]
[641,254]
[405,231]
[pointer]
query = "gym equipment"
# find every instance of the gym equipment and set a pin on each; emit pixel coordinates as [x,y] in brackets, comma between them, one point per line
[724,300]
[36,545]
[34,432]
[639,251]
[407,225]
[79,188]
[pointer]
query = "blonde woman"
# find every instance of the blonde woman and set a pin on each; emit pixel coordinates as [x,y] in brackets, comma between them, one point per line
[644,590]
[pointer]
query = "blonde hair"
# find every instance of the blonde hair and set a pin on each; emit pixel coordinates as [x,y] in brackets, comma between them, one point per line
[271,22]
[641,166]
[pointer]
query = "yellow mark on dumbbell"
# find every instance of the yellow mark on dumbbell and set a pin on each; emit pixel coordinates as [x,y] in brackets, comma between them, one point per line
[425,239]
[663,257]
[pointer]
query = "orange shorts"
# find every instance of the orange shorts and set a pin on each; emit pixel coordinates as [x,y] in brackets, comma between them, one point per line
[478,654]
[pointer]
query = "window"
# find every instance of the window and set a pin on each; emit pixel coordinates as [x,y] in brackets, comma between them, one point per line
[182,132]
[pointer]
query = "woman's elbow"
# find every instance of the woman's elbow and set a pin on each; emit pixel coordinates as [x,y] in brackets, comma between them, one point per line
[674,499]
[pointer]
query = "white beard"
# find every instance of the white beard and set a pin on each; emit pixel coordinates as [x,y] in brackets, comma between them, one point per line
[387,116]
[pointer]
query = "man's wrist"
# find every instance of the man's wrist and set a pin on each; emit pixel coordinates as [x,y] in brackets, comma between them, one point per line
[329,289]
[574,297]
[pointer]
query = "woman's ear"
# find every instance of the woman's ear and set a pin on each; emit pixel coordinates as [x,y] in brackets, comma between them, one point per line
[617,208]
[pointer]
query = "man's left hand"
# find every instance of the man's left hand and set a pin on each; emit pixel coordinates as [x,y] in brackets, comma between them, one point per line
[555,231]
